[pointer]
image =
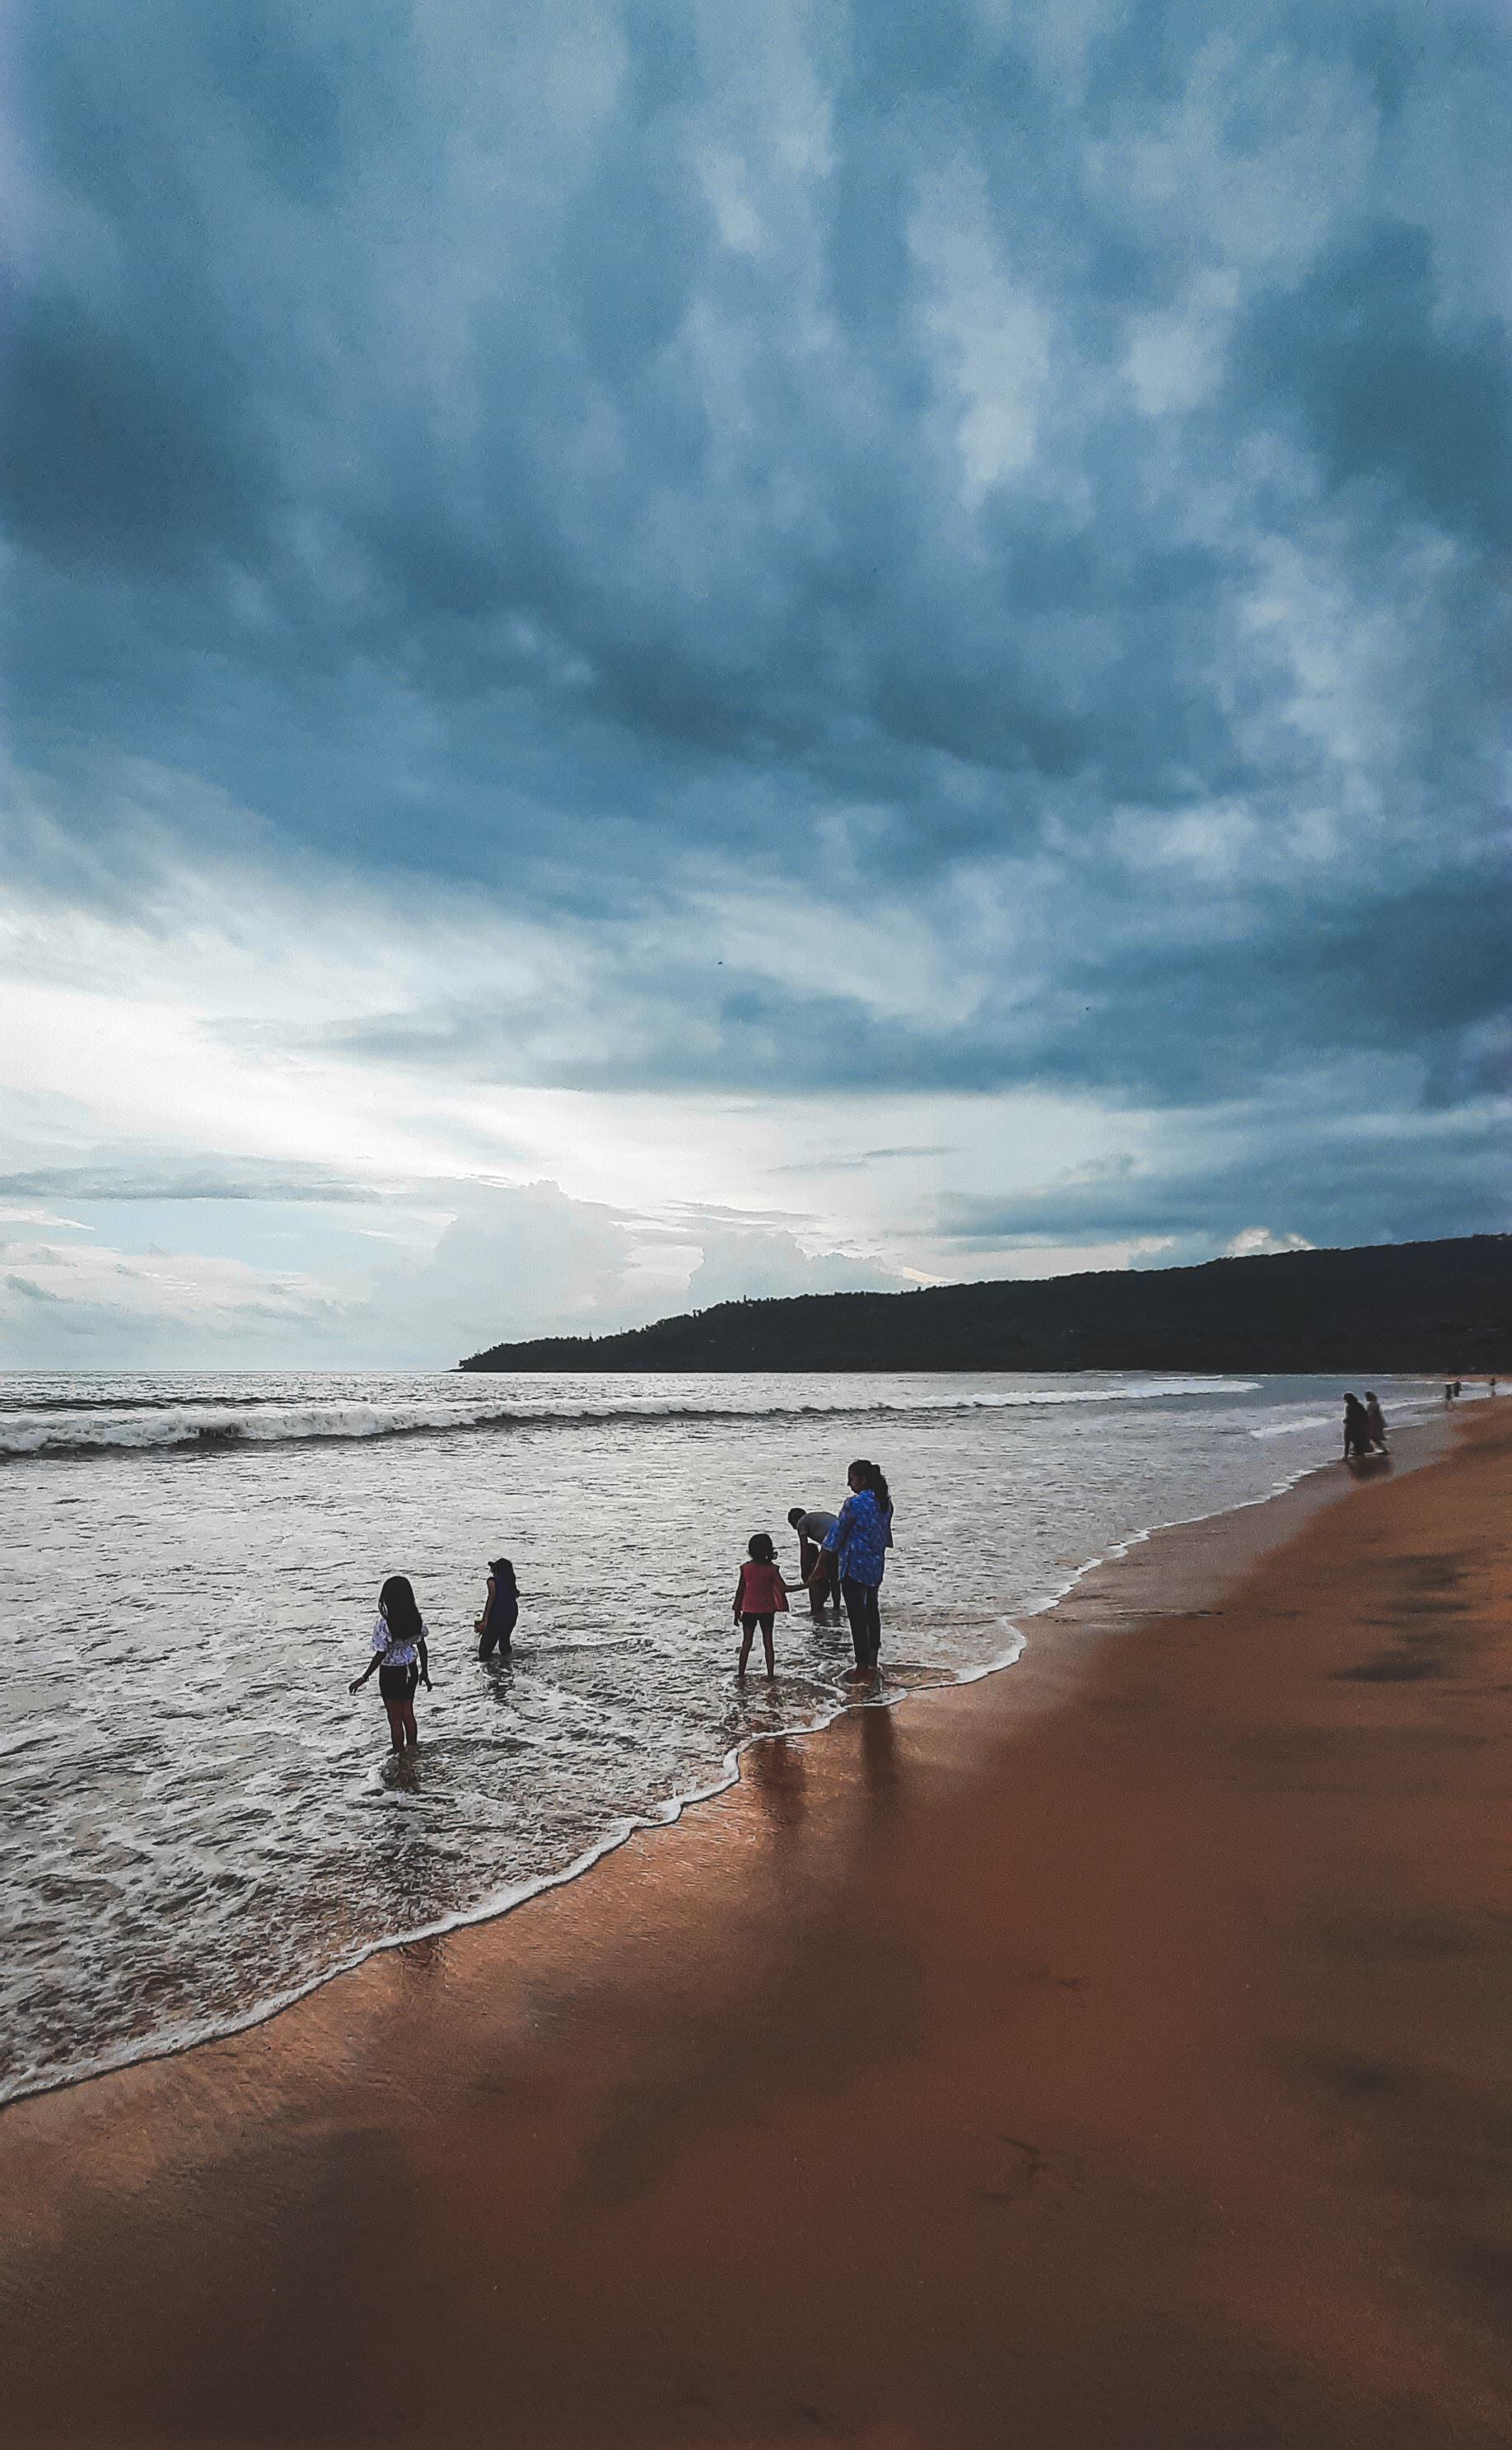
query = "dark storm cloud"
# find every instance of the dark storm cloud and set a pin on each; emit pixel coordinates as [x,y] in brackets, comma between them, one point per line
[111,456]
[547,447]
[1129,995]
[1384,396]
[1330,1179]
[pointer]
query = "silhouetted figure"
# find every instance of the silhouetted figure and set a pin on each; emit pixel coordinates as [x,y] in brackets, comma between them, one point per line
[400,1656]
[761,1596]
[1376,1420]
[501,1611]
[813,1526]
[1357,1440]
[1458,1389]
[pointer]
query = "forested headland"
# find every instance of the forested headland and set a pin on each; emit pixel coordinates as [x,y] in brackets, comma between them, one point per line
[1441,1307]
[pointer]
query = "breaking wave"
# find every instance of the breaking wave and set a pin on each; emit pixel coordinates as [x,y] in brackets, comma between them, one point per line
[60,1427]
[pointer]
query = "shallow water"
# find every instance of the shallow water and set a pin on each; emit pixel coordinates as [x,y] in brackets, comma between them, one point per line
[197,1821]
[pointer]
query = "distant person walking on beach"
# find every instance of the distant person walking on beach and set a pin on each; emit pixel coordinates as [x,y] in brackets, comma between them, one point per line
[813,1526]
[860,1541]
[501,1611]
[1356,1428]
[1375,1420]
[400,1656]
[761,1597]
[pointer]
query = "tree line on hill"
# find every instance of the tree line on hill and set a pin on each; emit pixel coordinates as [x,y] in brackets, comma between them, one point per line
[1445,1308]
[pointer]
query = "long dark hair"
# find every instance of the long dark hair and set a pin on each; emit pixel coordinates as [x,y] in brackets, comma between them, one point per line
[759,1550]
[871,1477]
[397,1604]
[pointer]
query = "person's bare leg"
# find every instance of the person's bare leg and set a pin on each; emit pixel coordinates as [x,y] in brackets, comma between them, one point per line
[396,1711]
[412,1735]
[746,1634]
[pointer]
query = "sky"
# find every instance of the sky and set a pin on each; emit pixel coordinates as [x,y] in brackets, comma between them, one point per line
[656,650]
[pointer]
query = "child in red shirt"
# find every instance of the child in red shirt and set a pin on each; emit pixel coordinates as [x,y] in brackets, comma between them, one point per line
[759,1595]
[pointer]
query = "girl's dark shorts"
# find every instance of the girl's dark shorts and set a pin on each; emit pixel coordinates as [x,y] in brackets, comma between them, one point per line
[398,1683]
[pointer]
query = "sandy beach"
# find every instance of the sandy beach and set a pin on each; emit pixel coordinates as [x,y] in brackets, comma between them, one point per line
[1111,2053]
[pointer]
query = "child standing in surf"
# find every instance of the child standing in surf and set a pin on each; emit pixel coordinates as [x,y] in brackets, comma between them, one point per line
[400,1656]
[761,1596]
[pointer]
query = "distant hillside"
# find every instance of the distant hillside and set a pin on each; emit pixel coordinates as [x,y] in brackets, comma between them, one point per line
[1441,1307]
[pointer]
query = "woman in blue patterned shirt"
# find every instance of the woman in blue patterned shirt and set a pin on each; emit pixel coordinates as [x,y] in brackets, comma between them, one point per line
[860,1541]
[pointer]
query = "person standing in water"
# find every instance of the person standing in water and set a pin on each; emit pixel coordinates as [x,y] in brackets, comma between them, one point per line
[1356,1428]
[501,1611]
[1375,1419]
[400,1657]
[761,1597]
[860,1541]
[812,1525]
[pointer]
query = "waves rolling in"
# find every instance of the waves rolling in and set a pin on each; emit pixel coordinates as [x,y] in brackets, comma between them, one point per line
[73,1428]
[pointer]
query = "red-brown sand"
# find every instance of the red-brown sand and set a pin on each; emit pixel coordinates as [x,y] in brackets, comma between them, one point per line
[1115,2058]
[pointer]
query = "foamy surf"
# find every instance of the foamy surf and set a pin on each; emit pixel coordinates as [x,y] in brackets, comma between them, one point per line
[54,1426]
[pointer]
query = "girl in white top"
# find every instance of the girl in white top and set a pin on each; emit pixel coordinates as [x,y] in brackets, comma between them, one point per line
[400,1656]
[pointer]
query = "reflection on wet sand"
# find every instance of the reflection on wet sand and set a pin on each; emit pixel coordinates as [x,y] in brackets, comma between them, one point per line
[879,1761]
[775,1774]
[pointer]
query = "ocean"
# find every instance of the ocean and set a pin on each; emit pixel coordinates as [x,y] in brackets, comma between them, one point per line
[198,1823]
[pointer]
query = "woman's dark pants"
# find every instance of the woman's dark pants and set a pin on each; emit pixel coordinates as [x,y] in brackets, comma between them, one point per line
[865,1619]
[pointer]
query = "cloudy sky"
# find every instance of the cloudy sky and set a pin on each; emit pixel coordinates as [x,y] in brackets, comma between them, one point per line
[658,650]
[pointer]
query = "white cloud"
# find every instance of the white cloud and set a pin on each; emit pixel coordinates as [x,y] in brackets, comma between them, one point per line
[500,1262]
[1175,358]
[1259,1242]
[739,1262]
[990,335]
[75,1304]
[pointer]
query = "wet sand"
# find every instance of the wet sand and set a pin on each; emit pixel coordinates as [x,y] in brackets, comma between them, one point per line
[1112,2053]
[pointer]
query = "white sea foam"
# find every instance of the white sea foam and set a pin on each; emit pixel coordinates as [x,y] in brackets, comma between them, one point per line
[52,1426]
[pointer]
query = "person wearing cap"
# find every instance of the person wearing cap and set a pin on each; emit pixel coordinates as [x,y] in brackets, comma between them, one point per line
[494,1629]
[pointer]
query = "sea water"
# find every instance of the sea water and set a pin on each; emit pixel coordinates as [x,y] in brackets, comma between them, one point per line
[197,1822]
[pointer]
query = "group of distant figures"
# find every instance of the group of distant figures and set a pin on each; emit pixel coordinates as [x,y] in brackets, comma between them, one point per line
[1364,1428]
[1454,1389]
[841,1559]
